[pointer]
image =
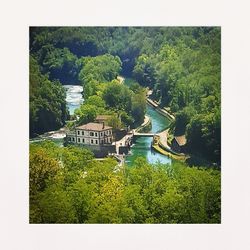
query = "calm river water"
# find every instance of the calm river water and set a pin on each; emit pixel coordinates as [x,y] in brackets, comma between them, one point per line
[142,145]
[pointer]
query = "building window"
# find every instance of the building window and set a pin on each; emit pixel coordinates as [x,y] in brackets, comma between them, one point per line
[82,140]
[73,138]
[78,132]
[95,134]
[78,139]
[91,134]
[96,141]
[82,132]
[101,141]
[101,133]
[92,142]
[69,138]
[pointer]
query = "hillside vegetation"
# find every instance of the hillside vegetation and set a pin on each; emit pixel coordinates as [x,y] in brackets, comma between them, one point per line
[67,185]
[180,64]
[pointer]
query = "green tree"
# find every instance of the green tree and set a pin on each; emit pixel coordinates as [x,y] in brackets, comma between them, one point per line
[47,102]
[42,168]
[56,206]
[138,108]
[118,96]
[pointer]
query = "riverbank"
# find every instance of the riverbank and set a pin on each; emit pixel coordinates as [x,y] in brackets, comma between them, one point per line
[146,123]
[160,145]
[142,146]
[160,110]
[161,142]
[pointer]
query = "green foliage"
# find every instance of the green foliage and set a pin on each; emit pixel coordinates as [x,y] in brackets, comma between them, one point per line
[138,109]
[130,105]
[56,206]
[180,64]
[87,113]
[83,190]
[75,158]
[183,117]
[115,122]
[97,70]
[42,169]
[60,64]
[186,77]
[144,71]
[95,100]
[118,96]
[47,102]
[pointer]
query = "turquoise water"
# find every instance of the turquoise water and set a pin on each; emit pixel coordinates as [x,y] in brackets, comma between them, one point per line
[142,145]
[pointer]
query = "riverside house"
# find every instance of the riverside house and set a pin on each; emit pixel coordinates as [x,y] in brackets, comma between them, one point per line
[90,134]
[97,137]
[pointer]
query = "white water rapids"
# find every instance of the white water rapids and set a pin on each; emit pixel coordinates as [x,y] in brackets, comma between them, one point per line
[73,97]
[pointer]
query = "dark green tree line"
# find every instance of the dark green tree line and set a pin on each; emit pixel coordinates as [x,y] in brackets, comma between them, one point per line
[47,102]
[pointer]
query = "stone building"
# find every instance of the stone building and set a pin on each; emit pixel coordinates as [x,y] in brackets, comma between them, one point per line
[95,136]
[90,134]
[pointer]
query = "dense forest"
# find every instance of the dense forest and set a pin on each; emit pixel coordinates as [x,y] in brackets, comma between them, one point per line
[67,185]
[180,64]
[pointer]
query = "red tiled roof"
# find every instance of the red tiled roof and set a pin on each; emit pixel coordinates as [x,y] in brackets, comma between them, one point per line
[94,126]
[181,140]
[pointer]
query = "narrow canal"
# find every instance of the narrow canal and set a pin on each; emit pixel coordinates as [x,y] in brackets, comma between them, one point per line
[142,145]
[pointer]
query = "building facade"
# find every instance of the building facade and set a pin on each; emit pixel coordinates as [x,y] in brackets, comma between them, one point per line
[90,134]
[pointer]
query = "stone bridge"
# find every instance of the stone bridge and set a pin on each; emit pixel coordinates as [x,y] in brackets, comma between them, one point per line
[144,134]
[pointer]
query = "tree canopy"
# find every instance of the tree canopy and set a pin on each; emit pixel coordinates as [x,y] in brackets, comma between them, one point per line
[182,67]
[47,102]
[75,188]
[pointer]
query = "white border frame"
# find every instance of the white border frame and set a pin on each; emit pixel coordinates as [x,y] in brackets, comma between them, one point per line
[232,16]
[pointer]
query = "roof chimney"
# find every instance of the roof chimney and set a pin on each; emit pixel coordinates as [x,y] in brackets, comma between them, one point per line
[103,125]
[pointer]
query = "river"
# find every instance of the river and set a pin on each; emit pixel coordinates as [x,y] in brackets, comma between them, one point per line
[73,97]
[142,145]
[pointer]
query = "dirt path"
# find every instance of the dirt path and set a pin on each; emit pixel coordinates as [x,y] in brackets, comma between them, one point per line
[164,138]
